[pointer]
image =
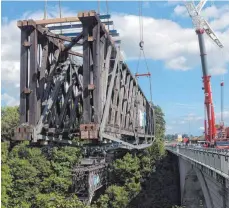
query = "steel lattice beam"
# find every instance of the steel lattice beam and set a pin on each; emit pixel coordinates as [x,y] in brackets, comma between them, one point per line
[98,101]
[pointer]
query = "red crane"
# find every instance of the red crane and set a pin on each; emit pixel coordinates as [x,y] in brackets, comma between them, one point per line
[202,26]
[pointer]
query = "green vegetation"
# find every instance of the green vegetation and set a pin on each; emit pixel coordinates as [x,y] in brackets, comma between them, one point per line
[160,123]
[41,177]
[129,172]
[9,120]
[37,177]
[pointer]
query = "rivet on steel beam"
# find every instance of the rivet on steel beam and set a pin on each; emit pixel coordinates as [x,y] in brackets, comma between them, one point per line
[25,22]
[92,13]
[86,14]
[27,91]
[26,44]
[80,14]
[91,87]
[19,23]
[90,38]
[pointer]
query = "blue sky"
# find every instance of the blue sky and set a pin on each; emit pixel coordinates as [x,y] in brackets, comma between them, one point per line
[171,49]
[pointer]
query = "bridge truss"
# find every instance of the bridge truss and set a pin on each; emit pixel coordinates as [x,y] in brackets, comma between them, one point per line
[96,99]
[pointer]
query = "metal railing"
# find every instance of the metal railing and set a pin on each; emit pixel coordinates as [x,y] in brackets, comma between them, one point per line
[215,159]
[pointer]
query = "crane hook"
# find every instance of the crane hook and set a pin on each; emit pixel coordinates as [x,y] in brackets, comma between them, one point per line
[141,44]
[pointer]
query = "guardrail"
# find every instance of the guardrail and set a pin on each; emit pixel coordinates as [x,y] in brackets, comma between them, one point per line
[215,159]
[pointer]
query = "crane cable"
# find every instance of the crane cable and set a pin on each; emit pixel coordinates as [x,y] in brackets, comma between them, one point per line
[140,21]
[141,45]
[108,19]
[98,7]
[60,16]
[142,52]
[45,10]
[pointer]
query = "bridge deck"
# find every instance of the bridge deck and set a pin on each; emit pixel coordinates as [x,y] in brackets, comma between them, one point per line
[213,159]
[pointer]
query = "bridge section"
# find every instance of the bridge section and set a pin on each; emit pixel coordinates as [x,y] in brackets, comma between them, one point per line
[204,176]
[96,99]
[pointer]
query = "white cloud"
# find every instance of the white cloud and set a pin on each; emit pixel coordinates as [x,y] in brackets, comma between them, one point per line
[215,12]
[210,12]
[10,71]
[178,63]
[201,128]
[218,71]
[181,11]
[167,41]
[221,23]
[8,100]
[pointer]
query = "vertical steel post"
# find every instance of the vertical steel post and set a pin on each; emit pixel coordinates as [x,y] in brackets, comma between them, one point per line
[33,117]
[222,99]
[23,76]
[96,74]
[86,75]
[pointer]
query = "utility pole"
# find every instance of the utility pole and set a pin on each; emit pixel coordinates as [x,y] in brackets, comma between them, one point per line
[222,99]
[189,129]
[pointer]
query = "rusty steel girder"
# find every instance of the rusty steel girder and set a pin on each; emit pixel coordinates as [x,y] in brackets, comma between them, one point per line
[98,100]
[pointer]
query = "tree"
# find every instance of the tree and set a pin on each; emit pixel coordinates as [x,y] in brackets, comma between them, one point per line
[39,175]
[55,200]
[102,202]
[114,197]
[6,177]
[126,168]
[132,187]
[157,150]
[146,165]
[160,122]
[10,120]
[62,160]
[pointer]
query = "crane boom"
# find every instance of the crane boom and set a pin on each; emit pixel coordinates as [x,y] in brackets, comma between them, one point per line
[200,5]
[199,22]
[211,34]
[201,26]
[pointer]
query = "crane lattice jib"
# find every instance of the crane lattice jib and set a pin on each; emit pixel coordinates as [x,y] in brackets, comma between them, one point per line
[200,23]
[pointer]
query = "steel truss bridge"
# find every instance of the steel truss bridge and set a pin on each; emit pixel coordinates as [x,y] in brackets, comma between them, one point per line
[77,85]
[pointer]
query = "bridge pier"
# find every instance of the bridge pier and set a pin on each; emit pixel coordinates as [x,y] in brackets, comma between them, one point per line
[203,183]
